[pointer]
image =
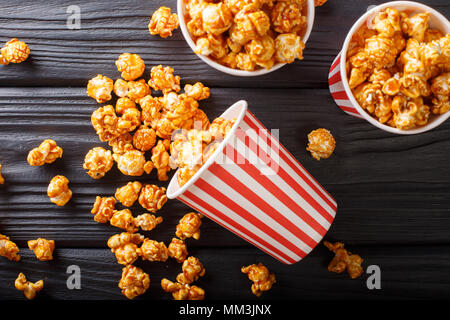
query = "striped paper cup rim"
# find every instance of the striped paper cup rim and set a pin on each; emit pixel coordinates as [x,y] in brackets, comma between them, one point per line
[174,190]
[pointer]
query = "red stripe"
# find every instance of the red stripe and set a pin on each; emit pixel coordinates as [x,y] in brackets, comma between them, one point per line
[222,216]
[260,203]
[305,176]
[335,63]
[340,95]
[281,195]
[334,78]
[349,109]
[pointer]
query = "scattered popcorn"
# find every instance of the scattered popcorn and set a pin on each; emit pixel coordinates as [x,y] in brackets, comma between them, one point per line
[152,197]
[144,138]
[8,249]
[160,159]
[321,144]
[261,277]
[123,219]
[103,209]
[123,104]
[29,289]
[2,180]
[130,65]
[130,120]
[14,51]
[58,190]
[104,120]
[131,162]
[197,91]
[152,250]
[164,80]
[189,226]
[134,282]
[288,47]
[125,247]
[137,90]
[344,260]
[100,88]
[147,222]
[121,88]
[98,162]
[182,292]
[163,22]
[121,143]
[47,152]
[178,250]
[192,270]
[129,193]
[43,248]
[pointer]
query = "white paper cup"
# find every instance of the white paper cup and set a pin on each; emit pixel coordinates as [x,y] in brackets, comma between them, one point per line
[337,77]
[254,187]
[181,9]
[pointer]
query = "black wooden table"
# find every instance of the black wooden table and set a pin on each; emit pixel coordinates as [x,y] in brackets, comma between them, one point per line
[393,191]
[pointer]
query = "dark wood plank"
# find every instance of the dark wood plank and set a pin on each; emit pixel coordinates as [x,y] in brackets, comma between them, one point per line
[63,57]
[406,273]
[390,189]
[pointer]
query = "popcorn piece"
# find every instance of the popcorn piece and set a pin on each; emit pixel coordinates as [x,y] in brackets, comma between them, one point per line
[321,144]
[152,197]
[58,190]
[319,3]
[371,98]
[147,222]
[98,162]
[137,90]
[100,88]
[130,65]
[416,26]
[134,282]
[152,250]
[130,120]
[144,138]
[8,249]
[160,159]
[14,51]
[124,246]
[216,18]
[192,270]
[178,250]
[182,292]
[244,62]
[124,103]
[104,120]
[344,260]
[121,88]
[2,180]
[261,277]
[163,22]
[47,152]
[289,46]
[189,226]
[409,113]
[287,17]
[43,248]
[103,208]
[201,120]
[121,143]
[440,86]
[129,193]
[151,108]
[197,91]
[131,162]
[29,289]
[124,219]
[262,51]
[249,23]
[387,22]
[220,127]
[163,79]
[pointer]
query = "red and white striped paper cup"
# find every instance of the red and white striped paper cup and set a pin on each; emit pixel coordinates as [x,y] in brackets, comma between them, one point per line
[254,187]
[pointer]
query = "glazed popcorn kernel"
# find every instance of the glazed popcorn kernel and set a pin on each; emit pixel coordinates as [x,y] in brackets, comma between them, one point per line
[98,162]
[103,209]
[14,51]
[261,51]
[104,120]
[288,47]
[189,226]
[197,91]
[192,270]
[29,289]
[287,17]
[43,248]
[151,108]
[125,247]
[47,152]
[131,162]
[440,86]
[100,88]
[147,222]
[134,282]
[121,143]
[178,250]
[217,18]
[123,219]
[163,22]
[58,191]
[8,249]
[121,88]
[344,260]
[164,80]
[130,120]
[130,65]
[123,104]
[137,90]
[152,197]
[144,138]
[182,291]
[152,250]
[220,127]
[129,193]
[261,277]
[160,159]
[321,143]
[2,180]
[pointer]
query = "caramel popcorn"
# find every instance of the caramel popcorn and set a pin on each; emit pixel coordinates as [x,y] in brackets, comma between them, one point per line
[344,260]
[160,159]
[197,91]
[130,65]
[147,222]
[152,197]
[123,104]
[321,144]
[43,248]
[131,162]
[217,18]
[189,226]
[134,282]
[104,120]
[130,120]
[29,289]
[14,51]
[220,127]
[121,143]
[125,247]
[137,90]
[261,277]
[164,80]
[287,17]
[288,47]
[192,270]
[100,88]
[163,22]
[178,250]
[103,209]
[58,190]
[124,219]
[2,180]
[129,193]
[47,152]
[152,250]
[121,88]
[151,108]
[98,162]
[8,249]
[144,138]
[182,291]
[440,86]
